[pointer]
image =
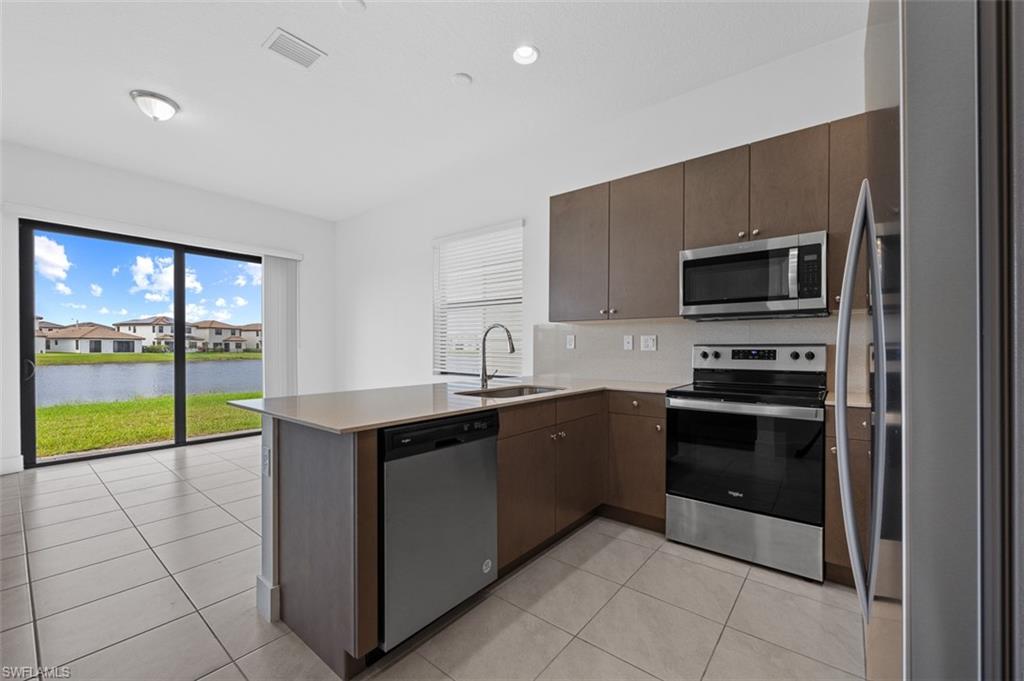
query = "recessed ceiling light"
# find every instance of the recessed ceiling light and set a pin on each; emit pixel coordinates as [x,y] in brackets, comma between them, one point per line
[156,106]
[462,78]
[525,54]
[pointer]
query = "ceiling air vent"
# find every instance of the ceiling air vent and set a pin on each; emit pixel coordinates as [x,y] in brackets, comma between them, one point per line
[293,48]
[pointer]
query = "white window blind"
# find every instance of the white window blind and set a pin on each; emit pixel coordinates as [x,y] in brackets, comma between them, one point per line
[478,280]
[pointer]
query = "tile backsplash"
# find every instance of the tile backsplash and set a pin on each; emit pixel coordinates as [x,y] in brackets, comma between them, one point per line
[599,353]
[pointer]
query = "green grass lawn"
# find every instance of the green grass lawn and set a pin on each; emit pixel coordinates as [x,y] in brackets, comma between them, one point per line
[65,428]
[59,358]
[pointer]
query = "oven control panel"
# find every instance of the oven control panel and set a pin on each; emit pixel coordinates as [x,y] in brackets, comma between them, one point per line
[780,357]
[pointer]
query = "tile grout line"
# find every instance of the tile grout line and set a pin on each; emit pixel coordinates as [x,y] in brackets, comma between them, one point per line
[724,625]
[594,616]
[31,591]
[779,645]
[195,609]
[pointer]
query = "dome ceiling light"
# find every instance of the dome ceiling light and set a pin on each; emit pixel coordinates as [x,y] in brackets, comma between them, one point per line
[156,106]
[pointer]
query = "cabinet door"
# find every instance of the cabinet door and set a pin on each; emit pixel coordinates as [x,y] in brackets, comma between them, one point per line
[717,198]
[789,184]
[836,550]
[862,146]
[636,453]
[526,493]
[582,468]
[578,275]
[645,237]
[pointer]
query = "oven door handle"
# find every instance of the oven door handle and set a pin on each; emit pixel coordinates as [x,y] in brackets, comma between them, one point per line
[746,409]
[864,567]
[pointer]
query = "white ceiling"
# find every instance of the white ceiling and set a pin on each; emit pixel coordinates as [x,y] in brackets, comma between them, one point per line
[379,115]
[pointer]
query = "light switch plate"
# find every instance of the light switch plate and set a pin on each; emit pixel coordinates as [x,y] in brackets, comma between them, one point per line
[627,342]
[648,343]
[570,341]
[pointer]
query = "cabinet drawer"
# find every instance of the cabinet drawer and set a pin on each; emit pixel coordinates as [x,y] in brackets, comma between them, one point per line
[858,423]
[523,418]
[638,404]
[571,408]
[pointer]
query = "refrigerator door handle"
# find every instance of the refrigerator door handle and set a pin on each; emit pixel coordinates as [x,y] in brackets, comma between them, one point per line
[864,568]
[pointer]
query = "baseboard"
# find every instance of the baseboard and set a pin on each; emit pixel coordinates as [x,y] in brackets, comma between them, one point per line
[268,599]
[840,574]
[648,522]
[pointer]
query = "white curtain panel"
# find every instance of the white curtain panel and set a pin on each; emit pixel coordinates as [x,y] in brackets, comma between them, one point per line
[280,326]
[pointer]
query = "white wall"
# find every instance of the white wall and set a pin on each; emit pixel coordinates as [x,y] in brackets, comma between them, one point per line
[385,267]
[47,186]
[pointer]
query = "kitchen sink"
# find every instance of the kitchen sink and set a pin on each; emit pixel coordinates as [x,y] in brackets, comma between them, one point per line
[510,391]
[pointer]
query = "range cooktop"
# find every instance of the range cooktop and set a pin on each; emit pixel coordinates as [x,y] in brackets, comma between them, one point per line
[764,373]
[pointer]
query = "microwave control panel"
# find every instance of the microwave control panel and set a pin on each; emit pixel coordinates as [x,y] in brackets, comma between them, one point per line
[809,271]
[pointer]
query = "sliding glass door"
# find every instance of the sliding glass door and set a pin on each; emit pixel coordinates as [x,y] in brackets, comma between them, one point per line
[132,344]
[224,344]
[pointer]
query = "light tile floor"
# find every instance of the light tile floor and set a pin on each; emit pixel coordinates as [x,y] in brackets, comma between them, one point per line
[143,566]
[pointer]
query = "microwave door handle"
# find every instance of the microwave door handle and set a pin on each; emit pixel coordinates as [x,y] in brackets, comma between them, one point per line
[794,265]
[857,563]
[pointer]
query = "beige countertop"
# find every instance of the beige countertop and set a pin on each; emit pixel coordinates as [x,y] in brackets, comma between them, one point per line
[355,410]
[853,399]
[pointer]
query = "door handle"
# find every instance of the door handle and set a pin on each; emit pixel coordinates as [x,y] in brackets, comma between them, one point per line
[30,367]
[865,568]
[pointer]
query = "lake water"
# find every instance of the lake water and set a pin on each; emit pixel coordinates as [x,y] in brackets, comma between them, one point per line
[112,382]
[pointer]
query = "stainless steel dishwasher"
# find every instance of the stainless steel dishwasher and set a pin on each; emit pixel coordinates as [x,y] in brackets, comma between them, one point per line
[440,518]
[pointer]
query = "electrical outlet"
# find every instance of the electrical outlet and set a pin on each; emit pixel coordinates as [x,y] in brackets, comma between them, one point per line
[570,341]
[627,342]
[648,343]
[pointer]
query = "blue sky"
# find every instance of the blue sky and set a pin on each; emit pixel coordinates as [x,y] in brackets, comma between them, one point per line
[85,279]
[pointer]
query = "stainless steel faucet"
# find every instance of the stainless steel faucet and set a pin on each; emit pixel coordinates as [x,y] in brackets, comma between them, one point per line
[483,353]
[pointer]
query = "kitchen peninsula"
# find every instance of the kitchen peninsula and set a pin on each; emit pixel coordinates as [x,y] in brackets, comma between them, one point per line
[561,454]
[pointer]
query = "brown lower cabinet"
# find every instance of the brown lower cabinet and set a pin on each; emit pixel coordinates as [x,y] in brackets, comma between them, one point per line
[582,468]
[527,496]
[636,454]
[836,550]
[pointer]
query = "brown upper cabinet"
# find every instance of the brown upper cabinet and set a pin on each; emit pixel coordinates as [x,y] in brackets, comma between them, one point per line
[578,274]
[645,237]
[789,183]
[717,206]
[863,146]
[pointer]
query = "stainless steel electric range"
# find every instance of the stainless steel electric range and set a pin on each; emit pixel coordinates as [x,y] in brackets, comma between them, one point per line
[745,470]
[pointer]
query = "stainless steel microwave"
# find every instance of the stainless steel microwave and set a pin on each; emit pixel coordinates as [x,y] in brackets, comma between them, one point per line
[780,277]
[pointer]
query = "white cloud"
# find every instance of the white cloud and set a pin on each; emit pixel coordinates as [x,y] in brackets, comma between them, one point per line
[239,301]
[104,310]
[221,315]
[74,306]
[114,271]
[194,312]
[240,280]
[51,260]
[62,288]
[123,311]
[255,271]
[96,290]
[156,278]
[220,302]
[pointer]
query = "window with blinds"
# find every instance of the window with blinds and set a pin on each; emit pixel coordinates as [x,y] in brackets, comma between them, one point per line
[478,280]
